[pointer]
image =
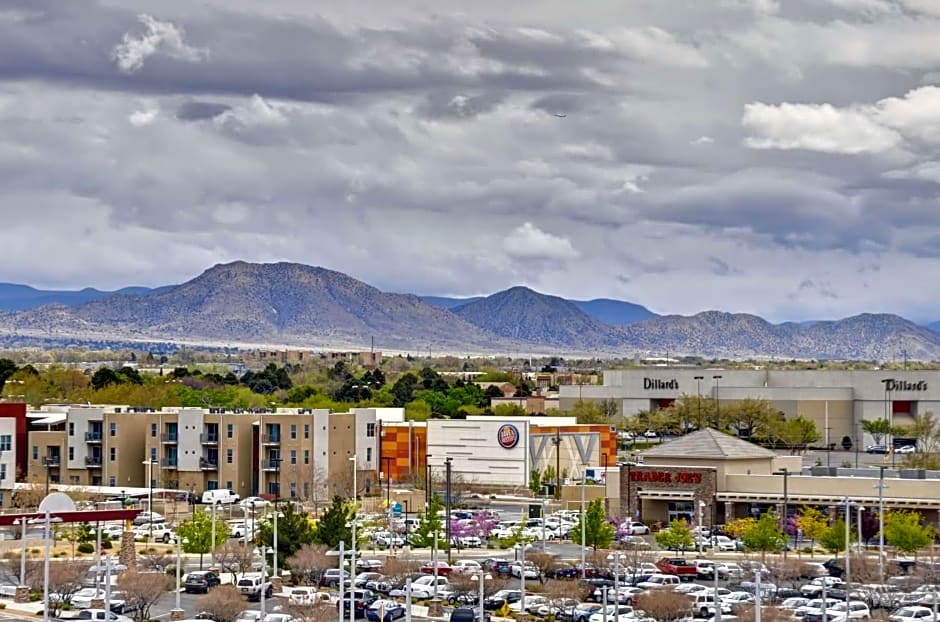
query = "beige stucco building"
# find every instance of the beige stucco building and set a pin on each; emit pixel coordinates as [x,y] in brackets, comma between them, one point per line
[712,477]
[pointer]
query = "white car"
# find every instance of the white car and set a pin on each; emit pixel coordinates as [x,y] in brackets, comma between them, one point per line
[530,571]
[857,610]
[912,614]
[469,566]
[815,587]
[253,503]
[308,595]
[659,580]
[635,528]
[723,543]
[610,612]
[906,449]
[83,598]
[531,604]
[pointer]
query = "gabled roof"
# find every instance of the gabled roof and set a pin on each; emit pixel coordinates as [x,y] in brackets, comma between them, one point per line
[709,444]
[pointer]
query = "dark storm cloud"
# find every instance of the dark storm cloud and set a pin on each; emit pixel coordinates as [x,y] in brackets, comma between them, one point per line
[200,110]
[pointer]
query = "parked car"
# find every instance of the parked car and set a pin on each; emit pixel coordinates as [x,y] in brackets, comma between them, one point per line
[443,568]
[219,496]
[100,615]
[145,518]
[634,528]
[876,449]
[500,598]
[384,610]
[906,449]
[331,577]
[468,614]
[200,581]
[912,614]
[252,585]
[359,600]
[252,504]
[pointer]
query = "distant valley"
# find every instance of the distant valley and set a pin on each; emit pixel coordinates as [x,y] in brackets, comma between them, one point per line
[295,305]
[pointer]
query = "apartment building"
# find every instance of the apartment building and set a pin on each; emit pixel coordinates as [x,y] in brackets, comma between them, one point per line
[12,447]
[288,452]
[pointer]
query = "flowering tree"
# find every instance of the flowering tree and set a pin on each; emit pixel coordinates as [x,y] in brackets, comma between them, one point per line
[483,526]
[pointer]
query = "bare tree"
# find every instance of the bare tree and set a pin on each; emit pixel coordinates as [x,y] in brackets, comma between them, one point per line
[309,562]
[156,561]
[30,490]
[787,572]
[314,612]
[565,594]
[10,572]
[399,568]
[236,558]
[65,578]
[223,603]
[142,590]
[767,614]
[662,605]
[544,562]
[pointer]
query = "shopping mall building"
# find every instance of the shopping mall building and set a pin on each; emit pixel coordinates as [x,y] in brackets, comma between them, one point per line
[710,477]
[836,401]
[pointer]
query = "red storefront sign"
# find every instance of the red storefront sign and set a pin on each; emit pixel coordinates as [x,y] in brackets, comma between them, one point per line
[666,477]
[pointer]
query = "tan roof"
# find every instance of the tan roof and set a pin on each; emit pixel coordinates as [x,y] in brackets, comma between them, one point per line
[709,443]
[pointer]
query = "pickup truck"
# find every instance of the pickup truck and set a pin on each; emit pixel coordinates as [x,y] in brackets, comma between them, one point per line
[677,566]
[100,615]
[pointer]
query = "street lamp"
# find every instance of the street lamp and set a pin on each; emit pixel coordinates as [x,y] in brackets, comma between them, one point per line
[716,378]
[583,524]
[615,556]
[352,560]
[520,548]
[482,577]
[881,521]
[388,496]
[276,463]
[786,510]
[701,532]
[427,480]
[698,393]
[149,464]
[858,526]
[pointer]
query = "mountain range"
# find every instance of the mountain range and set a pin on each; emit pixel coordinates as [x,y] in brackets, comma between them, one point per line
[287,304]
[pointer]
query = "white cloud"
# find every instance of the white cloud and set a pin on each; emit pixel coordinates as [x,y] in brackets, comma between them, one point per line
[141,118]
[658,46]
[159,37]
[816,127]
[527,241]
[702,140]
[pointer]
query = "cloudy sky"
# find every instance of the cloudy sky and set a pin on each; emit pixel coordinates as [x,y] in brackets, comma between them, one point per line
[778,157]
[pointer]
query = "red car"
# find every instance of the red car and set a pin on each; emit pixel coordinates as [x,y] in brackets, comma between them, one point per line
[443,568]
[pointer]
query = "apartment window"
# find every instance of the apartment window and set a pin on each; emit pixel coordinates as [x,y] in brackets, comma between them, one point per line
[71,453]
[293,489]
[368,454]
[3,471]
[228,485]
[293,430]
[113,452]
[212,484]
[71,428]
[230,430]
[153,453]
[293,456]
[35,452]
[153,430]
[75,479]
[370,430]
[306,456]
[229,455]
[113,428]
[306,430]
[112,481]
[306,490]
[6,442]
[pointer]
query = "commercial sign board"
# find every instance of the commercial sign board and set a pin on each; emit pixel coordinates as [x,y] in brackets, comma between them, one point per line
[507,436]
[658,384]
[893,384]
[666,477]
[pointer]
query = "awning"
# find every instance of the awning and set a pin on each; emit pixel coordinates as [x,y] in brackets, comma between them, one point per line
[648,493]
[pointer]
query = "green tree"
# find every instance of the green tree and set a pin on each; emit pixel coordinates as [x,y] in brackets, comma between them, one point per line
[926,432]
[293,531]
[196,533]
[833,539]
[7,369]
[428,524]
[749,417]
[535,481]
[104,377]
[904,531]
[878,428]
[588,412]
[335,524]
[812,523]
[796,433]
[677,538]
[508,410]
[418,410]
[598,532]
[763,535]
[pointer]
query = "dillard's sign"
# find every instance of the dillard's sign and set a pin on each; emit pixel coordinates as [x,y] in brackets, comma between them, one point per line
[656,384]
[892,384]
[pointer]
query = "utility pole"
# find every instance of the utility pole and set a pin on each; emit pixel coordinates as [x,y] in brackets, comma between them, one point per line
[447,466]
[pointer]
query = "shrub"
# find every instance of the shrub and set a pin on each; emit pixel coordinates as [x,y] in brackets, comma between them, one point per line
[86,547]
[106,544]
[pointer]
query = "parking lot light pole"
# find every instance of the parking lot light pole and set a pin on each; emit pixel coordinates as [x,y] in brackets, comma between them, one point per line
[716,378]
[881,522]
[858,526]
[483,577]
[848,547]
[786,510]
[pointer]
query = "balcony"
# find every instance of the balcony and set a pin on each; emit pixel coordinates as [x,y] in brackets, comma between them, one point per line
[169,438]
[271,465]
[209,439]
[93,461]
[93,437]
[207,464]
[169,463]
[271,439]
[52,462]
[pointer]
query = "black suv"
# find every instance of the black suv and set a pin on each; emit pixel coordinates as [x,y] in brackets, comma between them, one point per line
[500,598]
[468,614]
[200,581]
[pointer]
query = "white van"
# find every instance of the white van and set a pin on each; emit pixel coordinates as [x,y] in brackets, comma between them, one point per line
[220,496]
